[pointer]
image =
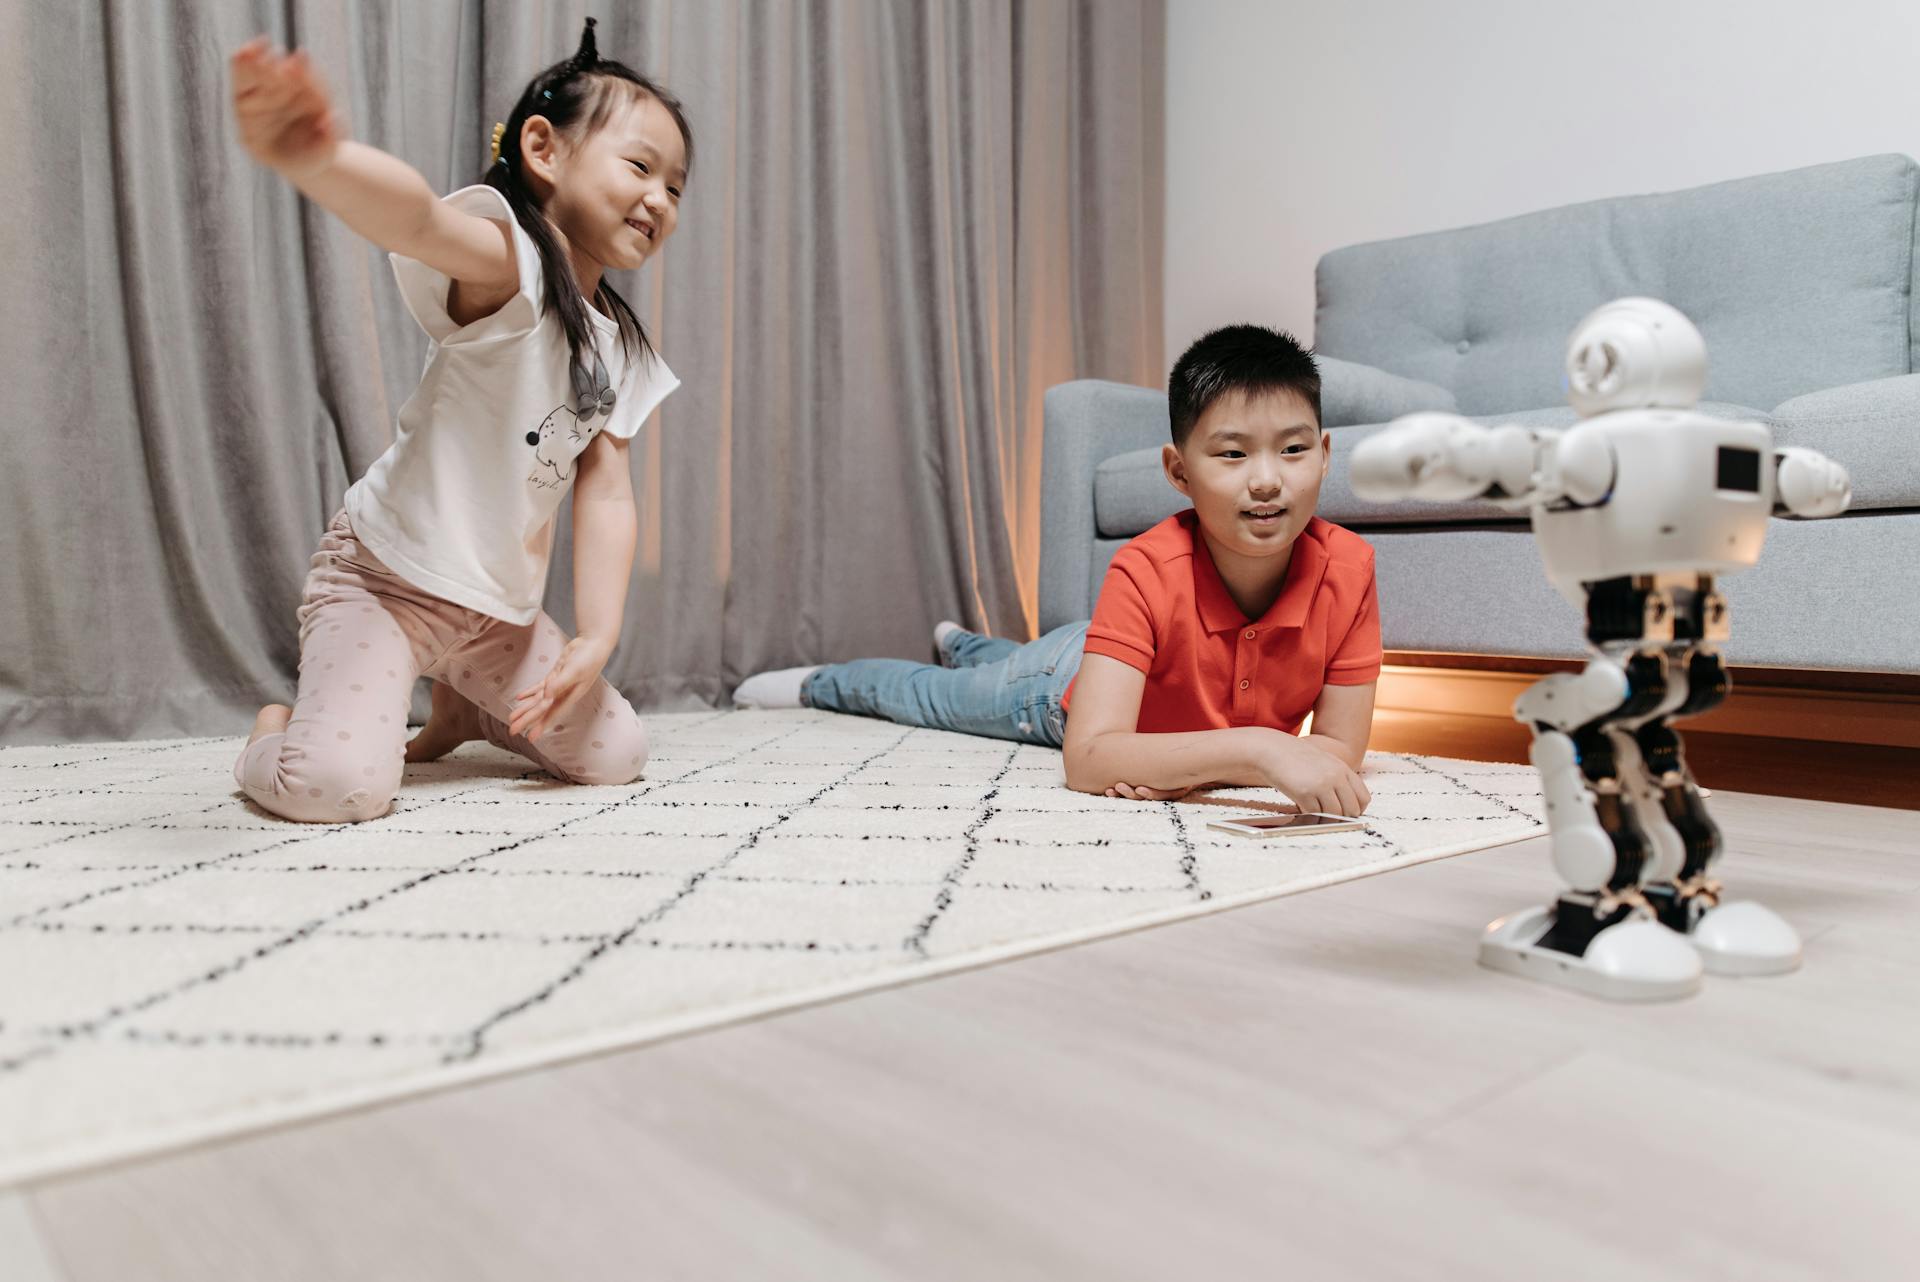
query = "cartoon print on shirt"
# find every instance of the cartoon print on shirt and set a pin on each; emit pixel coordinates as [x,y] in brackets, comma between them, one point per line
[556,443]
[568,430]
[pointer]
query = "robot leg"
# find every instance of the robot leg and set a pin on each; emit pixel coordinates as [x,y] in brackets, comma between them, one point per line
[1666,849]
[1733,938]
[1600,936]
[1666,690]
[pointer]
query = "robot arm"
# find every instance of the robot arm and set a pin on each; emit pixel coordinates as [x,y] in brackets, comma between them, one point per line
[1808,483]
[1446,458]
[1442,457]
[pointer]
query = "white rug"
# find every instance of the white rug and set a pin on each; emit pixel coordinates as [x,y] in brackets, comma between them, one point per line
[176,965]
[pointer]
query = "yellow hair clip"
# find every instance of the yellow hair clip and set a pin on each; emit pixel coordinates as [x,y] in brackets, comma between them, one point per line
[499,132]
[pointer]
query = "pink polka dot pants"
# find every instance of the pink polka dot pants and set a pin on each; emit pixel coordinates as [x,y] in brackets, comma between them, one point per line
[365,636]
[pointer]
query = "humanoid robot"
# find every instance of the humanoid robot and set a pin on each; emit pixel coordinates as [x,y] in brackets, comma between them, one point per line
[1635,509]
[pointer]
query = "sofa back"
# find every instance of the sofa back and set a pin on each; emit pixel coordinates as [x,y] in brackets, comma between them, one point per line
[1799,281]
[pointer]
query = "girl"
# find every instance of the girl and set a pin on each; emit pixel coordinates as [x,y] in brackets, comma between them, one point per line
[537,377]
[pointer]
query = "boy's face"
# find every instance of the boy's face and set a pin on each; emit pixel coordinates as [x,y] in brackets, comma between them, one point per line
[1253,469]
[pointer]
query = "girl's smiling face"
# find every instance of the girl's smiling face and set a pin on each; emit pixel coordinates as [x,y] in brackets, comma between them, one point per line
[614,192]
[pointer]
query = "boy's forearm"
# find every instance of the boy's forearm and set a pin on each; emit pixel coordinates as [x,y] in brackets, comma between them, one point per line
[380,196]
[1355,757]
[604,530]
[1235,757]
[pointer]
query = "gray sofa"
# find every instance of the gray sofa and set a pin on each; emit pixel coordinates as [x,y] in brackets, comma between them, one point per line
[1806,287]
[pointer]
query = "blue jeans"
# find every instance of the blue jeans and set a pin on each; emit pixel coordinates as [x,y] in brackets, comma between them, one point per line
[997,688]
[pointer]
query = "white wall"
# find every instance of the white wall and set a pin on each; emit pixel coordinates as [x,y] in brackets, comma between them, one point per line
[1295,127]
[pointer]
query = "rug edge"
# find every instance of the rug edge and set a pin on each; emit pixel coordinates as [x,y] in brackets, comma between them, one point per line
[86,1158]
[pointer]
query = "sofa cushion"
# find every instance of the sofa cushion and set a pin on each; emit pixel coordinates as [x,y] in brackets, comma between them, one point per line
[1353,393]
[1799,281]
[1872,429]
[1131,494]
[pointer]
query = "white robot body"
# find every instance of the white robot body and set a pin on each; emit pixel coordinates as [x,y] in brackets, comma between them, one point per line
[1635,510]
[1695,500]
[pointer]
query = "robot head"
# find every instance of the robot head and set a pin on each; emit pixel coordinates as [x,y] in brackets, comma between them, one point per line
[1635,353]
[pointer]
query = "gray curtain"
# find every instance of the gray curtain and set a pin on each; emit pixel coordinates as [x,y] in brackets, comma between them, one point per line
[905,222]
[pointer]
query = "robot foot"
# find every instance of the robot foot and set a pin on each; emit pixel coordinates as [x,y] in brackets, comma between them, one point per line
[1742,938]
[1622,957]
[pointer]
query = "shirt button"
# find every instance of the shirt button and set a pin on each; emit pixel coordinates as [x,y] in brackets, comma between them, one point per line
[1251,634]
[1245,684]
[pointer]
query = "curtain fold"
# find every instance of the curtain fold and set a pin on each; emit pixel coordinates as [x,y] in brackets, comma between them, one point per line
[905,222]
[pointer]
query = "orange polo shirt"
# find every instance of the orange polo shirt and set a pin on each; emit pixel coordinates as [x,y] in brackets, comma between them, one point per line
[1164,611]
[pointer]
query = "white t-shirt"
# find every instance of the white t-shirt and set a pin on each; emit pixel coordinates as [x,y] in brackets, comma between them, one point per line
[462,503]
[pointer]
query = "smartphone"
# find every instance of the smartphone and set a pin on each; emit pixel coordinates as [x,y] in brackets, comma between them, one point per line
[1286,825]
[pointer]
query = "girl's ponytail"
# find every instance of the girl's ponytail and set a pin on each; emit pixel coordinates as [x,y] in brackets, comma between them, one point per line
[589,51]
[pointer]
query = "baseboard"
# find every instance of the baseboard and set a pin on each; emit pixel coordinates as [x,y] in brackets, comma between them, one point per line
[1765,708]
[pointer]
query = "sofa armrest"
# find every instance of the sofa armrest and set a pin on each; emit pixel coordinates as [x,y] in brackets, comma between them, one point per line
[1086,421]
[1353,393]
[1872,429]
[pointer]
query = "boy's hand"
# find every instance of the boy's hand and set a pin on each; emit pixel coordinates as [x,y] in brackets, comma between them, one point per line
[1316,780]
[571,676]
[286,119]
[1133,792]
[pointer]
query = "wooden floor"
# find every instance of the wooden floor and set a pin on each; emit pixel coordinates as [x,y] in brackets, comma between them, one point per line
[1324,1086]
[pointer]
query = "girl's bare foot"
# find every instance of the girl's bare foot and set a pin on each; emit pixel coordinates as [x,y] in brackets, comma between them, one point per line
[452,722]
[272,720]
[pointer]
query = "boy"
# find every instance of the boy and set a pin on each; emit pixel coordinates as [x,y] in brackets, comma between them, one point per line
[1216,631]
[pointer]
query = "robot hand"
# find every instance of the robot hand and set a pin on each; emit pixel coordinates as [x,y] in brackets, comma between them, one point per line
[1442,457]
[1808,483]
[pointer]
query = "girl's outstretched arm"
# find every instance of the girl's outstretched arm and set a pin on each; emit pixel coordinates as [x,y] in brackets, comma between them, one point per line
[287,123]
[604,528]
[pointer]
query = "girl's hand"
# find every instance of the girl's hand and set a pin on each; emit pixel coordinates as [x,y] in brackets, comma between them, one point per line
[286,120]
[1134,792]
[573,675]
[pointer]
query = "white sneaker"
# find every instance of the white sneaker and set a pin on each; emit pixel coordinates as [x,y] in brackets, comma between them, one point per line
[941,631]
[777,689]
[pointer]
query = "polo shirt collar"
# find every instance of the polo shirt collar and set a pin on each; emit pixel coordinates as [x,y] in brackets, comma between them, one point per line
[1218,613]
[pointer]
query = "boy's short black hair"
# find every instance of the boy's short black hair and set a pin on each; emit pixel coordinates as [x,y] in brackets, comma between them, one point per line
[1249,359]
